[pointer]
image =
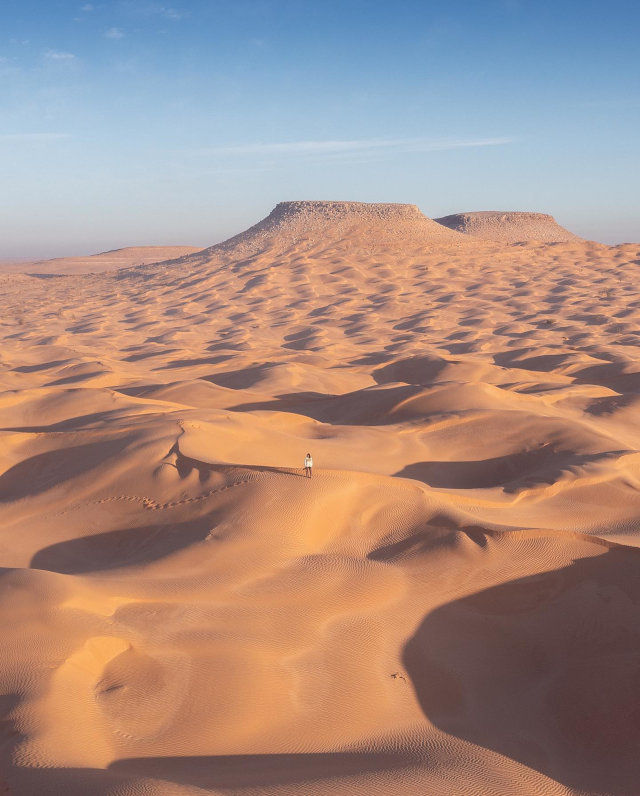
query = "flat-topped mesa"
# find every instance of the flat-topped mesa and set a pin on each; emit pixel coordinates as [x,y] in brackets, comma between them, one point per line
[310,223]
[508,227]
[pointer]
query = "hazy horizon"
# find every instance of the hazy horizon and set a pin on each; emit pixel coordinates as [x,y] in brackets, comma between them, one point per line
[139,123]
[107,247]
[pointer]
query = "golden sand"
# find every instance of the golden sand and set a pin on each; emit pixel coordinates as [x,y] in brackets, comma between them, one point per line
[450,605]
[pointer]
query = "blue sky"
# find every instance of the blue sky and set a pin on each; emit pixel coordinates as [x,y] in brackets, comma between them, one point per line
[140,122]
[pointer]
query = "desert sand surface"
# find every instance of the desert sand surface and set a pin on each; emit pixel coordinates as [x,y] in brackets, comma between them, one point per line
[450,605]
[97,263]
[508,227]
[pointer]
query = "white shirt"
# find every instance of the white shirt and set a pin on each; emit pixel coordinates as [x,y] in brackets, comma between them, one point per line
[308,461]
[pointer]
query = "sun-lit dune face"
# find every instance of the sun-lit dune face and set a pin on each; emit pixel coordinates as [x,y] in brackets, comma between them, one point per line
[508,227]
[448,605]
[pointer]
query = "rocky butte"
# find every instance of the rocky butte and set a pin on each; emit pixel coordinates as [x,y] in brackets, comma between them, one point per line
[508,227]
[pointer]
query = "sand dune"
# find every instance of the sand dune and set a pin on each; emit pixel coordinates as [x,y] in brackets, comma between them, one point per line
[509,227]
[450,604]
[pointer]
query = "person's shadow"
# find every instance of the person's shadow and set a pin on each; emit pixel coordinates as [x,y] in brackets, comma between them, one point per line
[186,465]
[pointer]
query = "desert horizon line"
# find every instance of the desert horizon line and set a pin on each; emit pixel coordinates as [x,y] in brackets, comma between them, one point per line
[302,216]
[107,245]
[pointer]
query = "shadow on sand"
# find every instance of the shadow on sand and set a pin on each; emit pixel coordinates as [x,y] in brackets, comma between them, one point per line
[512,472]
[122,548]
[208,773]
[260,770]
[186,465]
[46,470]
[544,670]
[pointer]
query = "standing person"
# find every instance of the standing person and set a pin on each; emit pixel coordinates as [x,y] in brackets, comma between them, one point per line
[308,464]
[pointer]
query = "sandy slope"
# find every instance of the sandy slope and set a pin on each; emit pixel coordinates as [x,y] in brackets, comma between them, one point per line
[450,604]
[98,263]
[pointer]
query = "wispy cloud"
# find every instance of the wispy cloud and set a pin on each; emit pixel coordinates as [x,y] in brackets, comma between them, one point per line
[31,137]
[151,9]
[57,55]
[114,33]
[87,7]
[358,146]
[171,13]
